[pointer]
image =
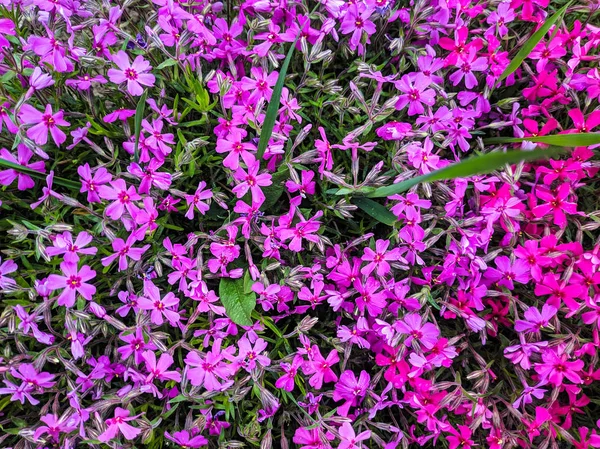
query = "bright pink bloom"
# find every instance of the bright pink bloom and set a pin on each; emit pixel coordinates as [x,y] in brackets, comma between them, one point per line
[427,334]
[134,74]
[160,306]
[24,155]
[351,390]
[72,281]
[44,123]
[349,439]
[320,368]
[415,93]
[195,201]
[119,424]
[380,258]
[159,370]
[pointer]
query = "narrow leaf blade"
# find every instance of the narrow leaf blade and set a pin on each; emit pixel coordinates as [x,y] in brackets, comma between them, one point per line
[237,302]
[476,165]
[273,108]
[378,211]
[39,175]
[139,116]
[559,140]
[532,42]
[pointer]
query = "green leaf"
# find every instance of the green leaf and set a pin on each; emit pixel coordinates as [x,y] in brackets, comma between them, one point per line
[139,116]
[375,210]
[165,64]
[532,42]
[475,165]
[238,304]
[559,140]
[273,108]
[39,175]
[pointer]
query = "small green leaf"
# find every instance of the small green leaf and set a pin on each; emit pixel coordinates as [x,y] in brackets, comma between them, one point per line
[139,116]
[375,210]
[39,175]
[238,304]
[165,64]
[273,108]
[484,163]
[532,42]
[559,140]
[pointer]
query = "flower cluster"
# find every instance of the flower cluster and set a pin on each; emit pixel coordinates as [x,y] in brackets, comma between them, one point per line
[170,277]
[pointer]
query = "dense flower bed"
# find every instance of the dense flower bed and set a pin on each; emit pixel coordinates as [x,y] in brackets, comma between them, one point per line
[165,282]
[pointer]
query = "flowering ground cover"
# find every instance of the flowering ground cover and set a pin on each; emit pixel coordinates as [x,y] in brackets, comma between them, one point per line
[247,224]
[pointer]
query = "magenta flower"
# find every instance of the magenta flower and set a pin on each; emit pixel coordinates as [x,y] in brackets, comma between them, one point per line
[123,250]
[195,201]
[64,244]
[461,438]
[186,439]
[24,155]
[250,355]
[320,368]
[233,145]
[32,381]
[370,299]
[468,64]
[427,334]
[534,320]
[260,85]
[348,437]
[507,272]
[356,20]
[415,93]
[556,366]
[150,176]
[302,230]
[44,123]
[159,370]
[54,426]
[118,424]
[91,183]
[122,197]
[72,281]
[251,180]
[160,306]
[210,370]
[136,345]
[556,204]
[134,74]
[287,380]
[306,186]
[379,258]
[351,390]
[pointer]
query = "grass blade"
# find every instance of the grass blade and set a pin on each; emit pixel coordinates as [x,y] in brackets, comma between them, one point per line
[139,116]
[469,167]
[39,175]
[532,42]
[375,210]
[560,140]
[273,108]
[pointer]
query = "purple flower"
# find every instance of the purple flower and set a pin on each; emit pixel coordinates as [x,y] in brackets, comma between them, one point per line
[44,123]
[466,66]
[348,437]
[64,244]
[195,201]
[415,93]
[427,334]
[123,250]
[72,281]
[118,424]
[351,390]
[134,74]
[186,439]
[160,306]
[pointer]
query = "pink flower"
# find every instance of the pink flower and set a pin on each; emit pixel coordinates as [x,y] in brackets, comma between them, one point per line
[250,354]
[427,334]
[395,131]
[158,370]
[534,320]
[356,20]
[44,123]
[351,390]
[559,291]
[186,440]
[468,64]
[287,380]
[415,93]
[119,424]
[122,197]
[370,299]
[91,183]
[348,437]
[320,368]
[72,281]
[32,381]
[461,439]
[379,258]
[508,272]
[134,74]
[123,250]
[210,369]
[24,181]
[195,201]
[137,343]
[55,426]
[302,230]
[233,145]
[555,366]
[160,306]
[64,244]
[251,180]
[305,186]
[556,204]
[260,85]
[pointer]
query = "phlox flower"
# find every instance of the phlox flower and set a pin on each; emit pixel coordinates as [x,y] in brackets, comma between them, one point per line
[123,250]
[118,424]
[160,307]
[91,183]
[135,74]
[24,155]
[159,369]
[415,93]
[187,439]
[351,390]
[195,201]
[44,123]
[380,258]
[72,281]
[320,368]
[349,439]
[64,244]
[427,334]
[210,370]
